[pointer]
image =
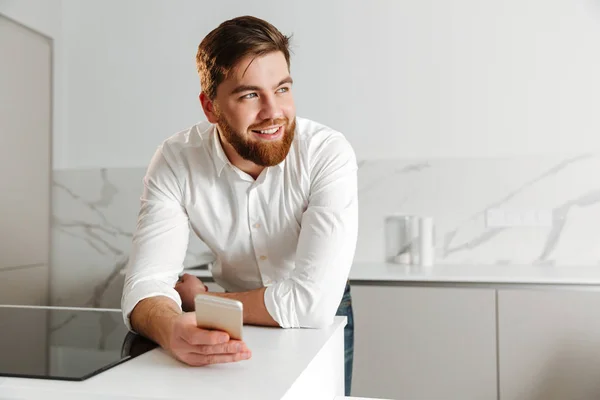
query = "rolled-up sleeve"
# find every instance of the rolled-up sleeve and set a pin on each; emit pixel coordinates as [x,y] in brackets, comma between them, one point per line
[310,297]
[161,238]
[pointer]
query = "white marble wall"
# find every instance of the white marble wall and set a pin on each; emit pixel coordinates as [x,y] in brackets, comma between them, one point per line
[94,217]
[457,193]
[95,213]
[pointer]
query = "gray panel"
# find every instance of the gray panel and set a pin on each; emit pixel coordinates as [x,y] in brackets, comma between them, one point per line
[25,134]
[424,343]
[549,344]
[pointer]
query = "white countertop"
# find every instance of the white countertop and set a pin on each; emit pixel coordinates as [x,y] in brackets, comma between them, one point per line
[515,274]
[279,356]
[509,274]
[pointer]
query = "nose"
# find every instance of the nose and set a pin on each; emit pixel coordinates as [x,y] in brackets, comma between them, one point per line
[270,108]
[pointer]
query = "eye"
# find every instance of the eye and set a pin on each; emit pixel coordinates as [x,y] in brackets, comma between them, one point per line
[249,96]
[283,89]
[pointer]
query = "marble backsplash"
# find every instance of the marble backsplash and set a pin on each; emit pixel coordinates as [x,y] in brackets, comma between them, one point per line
[95,212]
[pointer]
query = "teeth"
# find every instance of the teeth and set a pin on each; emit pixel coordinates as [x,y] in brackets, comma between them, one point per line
[269,131]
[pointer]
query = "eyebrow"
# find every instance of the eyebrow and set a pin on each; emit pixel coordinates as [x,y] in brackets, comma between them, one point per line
[249,88]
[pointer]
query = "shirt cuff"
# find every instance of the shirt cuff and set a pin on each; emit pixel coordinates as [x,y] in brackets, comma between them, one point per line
[141,291]
[284,318]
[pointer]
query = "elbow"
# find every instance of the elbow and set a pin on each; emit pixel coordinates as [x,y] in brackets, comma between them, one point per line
[316,316]
[299,305]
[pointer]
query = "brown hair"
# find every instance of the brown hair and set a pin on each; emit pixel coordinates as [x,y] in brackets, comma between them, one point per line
[231,41]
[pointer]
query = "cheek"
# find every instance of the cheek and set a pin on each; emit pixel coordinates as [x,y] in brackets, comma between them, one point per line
[288,107]
[290,112]
[247,120]
[241,118]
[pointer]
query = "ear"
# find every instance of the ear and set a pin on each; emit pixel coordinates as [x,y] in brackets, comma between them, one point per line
[208,107]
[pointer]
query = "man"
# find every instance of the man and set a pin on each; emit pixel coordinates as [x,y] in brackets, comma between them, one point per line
[273,195]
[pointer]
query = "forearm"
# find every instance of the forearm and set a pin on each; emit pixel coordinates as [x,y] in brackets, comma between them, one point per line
[152,318]
[255,311]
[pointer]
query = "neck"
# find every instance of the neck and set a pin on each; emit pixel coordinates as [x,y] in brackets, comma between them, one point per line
[248,167]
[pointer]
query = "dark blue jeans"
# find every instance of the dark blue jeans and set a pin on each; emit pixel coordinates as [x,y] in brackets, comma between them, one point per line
[345,309]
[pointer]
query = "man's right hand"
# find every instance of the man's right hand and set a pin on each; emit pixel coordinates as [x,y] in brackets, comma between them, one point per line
[196,346]
[160,319]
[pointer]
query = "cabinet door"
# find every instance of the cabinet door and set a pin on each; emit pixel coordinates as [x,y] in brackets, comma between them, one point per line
[25,129]
[424,343]
[24,286]
[549,344]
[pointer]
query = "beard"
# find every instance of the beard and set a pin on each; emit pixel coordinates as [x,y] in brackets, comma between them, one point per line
[265,153]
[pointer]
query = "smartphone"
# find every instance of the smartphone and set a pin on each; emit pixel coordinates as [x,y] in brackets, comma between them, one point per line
[219,313]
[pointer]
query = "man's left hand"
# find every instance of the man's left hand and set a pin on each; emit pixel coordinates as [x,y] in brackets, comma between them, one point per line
[188,287]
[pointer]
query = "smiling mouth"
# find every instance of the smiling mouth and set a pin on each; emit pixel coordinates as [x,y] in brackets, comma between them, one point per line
[270,133]
[267,131]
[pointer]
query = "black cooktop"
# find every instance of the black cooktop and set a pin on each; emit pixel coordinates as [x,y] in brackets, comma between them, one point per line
[62,343]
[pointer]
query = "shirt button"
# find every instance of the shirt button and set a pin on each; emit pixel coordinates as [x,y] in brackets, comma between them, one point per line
[263,258]
[257,225]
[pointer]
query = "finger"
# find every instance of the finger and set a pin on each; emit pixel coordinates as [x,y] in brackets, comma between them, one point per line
[187,277]
[201,359]
[199,280]
[199,336]
[194,335]
[231,347]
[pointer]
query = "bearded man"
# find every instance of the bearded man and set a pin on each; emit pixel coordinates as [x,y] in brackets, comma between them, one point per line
[273,195]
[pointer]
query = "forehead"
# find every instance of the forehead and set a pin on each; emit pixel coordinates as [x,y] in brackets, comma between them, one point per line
[258,70]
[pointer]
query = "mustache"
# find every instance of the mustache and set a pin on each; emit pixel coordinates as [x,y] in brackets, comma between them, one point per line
[268,123]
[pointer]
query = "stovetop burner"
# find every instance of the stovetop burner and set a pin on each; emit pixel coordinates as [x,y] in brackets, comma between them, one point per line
[64,343]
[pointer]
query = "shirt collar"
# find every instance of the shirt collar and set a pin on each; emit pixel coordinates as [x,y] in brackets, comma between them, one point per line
[220,159]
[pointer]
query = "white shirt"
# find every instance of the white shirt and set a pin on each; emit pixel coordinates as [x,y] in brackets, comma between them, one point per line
[293,229]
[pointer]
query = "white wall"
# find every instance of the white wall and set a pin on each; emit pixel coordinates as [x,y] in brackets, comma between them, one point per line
[416,79]
[41,15]
[45,16]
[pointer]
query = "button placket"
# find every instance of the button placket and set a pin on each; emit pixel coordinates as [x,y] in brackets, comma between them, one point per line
[259,240]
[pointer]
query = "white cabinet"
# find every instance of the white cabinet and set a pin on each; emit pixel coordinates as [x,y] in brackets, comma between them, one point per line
[424,343]
[24,286]
[25,132]
[549,344]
